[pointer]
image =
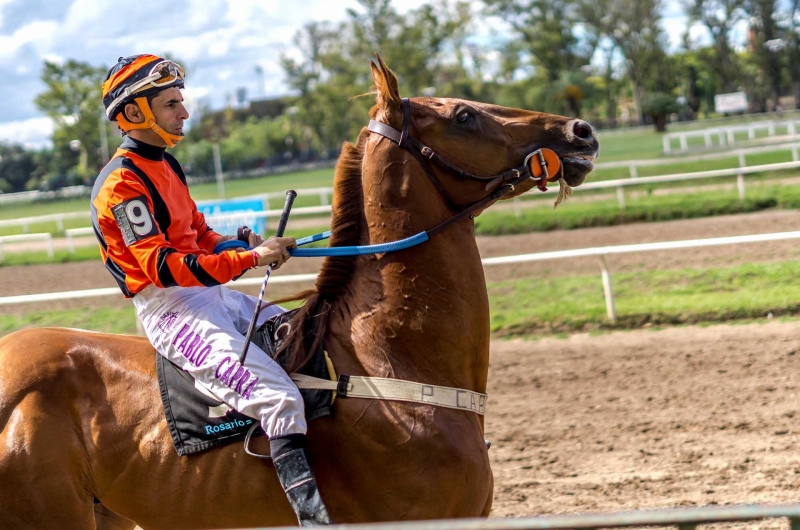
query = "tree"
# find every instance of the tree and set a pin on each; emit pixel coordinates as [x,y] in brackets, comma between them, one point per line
[633,26]
[791,30]
[20,169]
[73,101]
[547,28]
[719,17]
[330,66]
[766,43]
[567,94]
[659,106]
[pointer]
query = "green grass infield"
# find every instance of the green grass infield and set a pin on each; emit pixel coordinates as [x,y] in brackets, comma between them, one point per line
[552,306]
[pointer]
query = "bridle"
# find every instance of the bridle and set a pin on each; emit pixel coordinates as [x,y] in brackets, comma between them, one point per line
[508,180]
[538,165]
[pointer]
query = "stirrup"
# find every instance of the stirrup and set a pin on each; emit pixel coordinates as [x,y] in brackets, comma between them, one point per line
[301,489]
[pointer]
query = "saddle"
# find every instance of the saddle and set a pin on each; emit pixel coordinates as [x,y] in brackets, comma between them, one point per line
[198,421]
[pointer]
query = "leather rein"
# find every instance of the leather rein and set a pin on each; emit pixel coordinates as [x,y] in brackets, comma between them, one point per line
[508,180]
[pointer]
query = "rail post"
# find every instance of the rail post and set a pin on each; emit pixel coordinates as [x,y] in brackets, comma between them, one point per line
[60,223]
[323,198]
[517,207]
[633,170]
[608,290]
[49,246]
[667,143]
[751,133]
[740,176]
[621,197]
[684,145]
[795,157]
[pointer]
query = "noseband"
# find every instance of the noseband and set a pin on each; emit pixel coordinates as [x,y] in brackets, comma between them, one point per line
[508,180]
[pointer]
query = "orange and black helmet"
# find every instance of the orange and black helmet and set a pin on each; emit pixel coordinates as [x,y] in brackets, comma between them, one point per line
[138,76]
[132,80]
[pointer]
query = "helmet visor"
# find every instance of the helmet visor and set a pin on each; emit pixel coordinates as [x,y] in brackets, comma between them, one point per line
[165,73]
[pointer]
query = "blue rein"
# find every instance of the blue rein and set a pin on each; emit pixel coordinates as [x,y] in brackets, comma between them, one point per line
[333,251]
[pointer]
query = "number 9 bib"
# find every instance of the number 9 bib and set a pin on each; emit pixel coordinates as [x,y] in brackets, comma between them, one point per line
[134,220]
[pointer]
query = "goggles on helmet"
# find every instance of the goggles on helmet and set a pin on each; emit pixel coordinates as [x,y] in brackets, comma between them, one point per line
[163,74]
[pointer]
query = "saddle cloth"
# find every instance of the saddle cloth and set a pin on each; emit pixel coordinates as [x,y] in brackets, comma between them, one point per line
[198,421]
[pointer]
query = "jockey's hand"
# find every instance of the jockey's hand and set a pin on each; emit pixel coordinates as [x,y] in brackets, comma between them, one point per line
[254,239]
[275,250]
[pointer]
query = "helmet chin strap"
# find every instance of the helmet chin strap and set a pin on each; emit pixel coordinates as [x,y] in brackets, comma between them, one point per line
[149,123]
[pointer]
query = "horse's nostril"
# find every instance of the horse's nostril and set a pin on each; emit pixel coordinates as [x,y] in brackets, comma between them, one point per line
[582,130]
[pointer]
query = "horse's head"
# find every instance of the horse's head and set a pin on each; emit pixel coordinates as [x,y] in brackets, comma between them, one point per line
[482,141]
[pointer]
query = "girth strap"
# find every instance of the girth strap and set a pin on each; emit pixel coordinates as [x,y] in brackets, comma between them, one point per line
[397,390]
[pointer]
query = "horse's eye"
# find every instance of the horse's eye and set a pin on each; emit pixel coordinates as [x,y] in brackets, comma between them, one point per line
[464,116]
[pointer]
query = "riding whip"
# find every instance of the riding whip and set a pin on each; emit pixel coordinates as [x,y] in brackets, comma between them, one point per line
[287,207]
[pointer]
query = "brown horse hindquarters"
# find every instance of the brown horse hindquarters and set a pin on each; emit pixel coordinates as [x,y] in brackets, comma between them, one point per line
[41,445]
[81,418]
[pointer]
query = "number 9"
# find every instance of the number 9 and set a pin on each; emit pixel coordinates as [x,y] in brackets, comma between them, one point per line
[139,217]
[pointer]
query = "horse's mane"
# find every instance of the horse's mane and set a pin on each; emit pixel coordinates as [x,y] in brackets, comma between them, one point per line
[311,322]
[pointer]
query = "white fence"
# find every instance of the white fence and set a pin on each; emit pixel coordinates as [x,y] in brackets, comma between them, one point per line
[726,135]
[22,238]
[682,518]
[600,252]
[325,193]
[634,165]
[739,172]
[24,196]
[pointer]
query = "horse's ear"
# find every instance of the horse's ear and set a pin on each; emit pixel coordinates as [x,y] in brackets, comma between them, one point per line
[387,95]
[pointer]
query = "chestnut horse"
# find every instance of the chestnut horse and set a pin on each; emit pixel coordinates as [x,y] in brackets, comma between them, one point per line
[81,419]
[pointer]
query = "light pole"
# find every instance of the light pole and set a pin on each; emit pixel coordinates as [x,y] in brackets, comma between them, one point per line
[260,75]
[103,138]
[218,171]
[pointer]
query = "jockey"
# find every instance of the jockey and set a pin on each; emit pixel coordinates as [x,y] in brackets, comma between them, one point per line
[159,249]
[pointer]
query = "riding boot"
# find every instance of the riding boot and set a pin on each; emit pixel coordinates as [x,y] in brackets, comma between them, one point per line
[289,456]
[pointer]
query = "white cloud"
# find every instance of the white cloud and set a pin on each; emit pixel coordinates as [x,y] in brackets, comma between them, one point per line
[39,34]
[53,58]
[33,133]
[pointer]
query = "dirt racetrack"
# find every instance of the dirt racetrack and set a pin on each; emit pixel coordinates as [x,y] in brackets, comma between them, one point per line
[625,420]
[646,419]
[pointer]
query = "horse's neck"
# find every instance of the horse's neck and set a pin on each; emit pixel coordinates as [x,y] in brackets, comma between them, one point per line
[421,313]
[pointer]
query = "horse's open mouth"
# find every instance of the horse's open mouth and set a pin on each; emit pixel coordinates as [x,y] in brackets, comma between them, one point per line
[576,167]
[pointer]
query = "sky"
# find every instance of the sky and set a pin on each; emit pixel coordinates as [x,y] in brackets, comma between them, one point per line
[220,41]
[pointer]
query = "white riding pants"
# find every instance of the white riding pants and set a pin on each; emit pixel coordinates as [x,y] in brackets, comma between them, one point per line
[202,329]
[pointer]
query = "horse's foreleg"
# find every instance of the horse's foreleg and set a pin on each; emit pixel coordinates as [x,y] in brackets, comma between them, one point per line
[105,519]
[489,500]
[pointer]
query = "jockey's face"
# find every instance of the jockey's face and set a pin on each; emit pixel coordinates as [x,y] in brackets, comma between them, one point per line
[168,109]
